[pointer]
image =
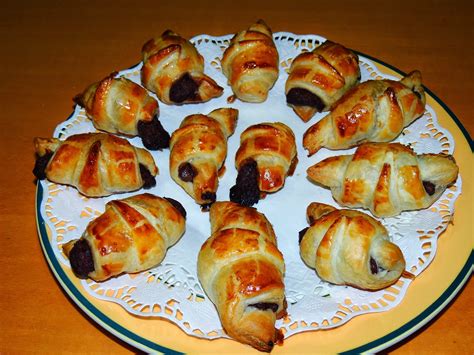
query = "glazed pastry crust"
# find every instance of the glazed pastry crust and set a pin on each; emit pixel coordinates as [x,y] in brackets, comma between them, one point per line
[132,235]
[166,59]
[239,266]
[201,140]
[349,247]
[373,111]
[386,178]
[273,147]
[327,72]
[116,105]
[251,63]
[97,164]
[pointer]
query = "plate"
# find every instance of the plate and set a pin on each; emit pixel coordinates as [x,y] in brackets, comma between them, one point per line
[152,334]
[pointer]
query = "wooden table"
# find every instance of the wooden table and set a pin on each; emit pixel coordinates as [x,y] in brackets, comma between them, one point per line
[50,51]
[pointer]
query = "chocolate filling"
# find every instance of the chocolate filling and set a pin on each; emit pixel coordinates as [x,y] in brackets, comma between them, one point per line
[374,269]
[246,191]
[81,260]
[209,196]
[153,135]
[177,205]
[40,165]
[430,188]
[301,234]
[263,306]
[185,88]
[148,179]
[303,97]
[187,172]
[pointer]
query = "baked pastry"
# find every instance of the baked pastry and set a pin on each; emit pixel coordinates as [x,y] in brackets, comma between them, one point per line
[386,178]
[373,111]
[97,164]
[251,63]
[174,70]
[317,79]
[118,105]
[349,247]
[241,270]
[132,235]
[266,156]
[198,151]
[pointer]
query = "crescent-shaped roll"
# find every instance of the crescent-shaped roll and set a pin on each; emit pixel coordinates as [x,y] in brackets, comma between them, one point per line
[97,164]
[348,247]
[373,111]
[118,105]
[386,178]
[174,70]
[241,270]
[132,235]
[198,151]
[317,79]
[251,63]
[266,156]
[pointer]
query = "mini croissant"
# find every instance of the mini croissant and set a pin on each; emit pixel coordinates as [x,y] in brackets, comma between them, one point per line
[319,78]
[97,164]
[266,156]
[386,178]
[198,151]
[174,70]
[350,248]
[132,235]
[251,63]
[241,270]
[373,111]
[118,105]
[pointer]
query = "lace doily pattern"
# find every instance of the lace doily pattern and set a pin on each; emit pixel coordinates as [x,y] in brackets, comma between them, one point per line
[172,290]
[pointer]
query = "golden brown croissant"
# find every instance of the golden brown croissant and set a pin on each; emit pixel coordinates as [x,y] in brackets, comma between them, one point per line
[319,78]
[386,178]
[118,105]
[198,151]
[132,235]
[350,248]
[373,111]
[251,63]
[241,270]
[97,164]
[174,70]
[266,156]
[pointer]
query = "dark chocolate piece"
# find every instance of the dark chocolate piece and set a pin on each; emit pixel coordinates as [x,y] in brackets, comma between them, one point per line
[177,205]
[303,97]
[153,135]
[40,165]
[148,179]
[374,269]
[209,196]
[246,191]
[263,306]
[430,188]
[187,172]
[185,88]
[81,260]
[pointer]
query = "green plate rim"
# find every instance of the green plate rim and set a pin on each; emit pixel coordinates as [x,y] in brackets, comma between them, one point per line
[146,345]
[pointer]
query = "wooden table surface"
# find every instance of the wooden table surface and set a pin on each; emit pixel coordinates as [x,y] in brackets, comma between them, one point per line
[51,50]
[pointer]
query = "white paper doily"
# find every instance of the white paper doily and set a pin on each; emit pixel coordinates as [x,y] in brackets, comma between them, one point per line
[172,290]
